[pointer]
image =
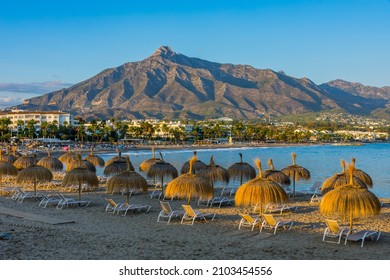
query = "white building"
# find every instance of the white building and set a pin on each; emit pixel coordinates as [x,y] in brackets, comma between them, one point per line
[38,116]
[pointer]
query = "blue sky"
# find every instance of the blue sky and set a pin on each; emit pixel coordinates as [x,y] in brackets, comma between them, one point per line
[65,42]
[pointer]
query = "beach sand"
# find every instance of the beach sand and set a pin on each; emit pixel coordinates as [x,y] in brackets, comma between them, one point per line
[98,235]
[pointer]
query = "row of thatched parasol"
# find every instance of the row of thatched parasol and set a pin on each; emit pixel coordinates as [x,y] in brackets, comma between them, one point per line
[345,193]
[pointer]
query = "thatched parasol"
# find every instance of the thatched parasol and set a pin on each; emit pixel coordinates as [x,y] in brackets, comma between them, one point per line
[161,169]
[146,164]
[34,174]
[79,162]
[128,180]
[214,173]
[116,158]
[7,169]
[67,157]
[242,170]
[362,175]
[95,159]
[189,185]
[260,191]
[198,165]
[350,201]
[340,179]
[80,176]
[51,163]
[296,172]
[117,165]
[7,157]
[24,162]
[276,175]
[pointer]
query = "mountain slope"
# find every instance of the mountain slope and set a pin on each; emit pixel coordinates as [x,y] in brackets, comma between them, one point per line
[172,85]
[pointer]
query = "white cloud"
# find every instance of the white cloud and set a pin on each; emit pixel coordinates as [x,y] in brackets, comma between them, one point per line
[34,88]
[8,101]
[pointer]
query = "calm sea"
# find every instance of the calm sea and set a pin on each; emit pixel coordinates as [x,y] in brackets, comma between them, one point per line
[321,160]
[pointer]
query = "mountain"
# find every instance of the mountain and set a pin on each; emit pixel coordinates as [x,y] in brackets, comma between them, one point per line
[171,85]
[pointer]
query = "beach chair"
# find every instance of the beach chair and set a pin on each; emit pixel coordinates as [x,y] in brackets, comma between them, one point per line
[21,195]
[248,220]
[334,231]
[363,235]
[192,215]
[314,189]
[272,223]
[168,213]
[67,201]
[218,200]
[49,199]
[278,208]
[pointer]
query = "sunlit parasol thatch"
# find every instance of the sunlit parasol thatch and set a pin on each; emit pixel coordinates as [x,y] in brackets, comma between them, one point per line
[51,163]
[197,165]
[276,175]
[161,169]
[362,175]
[189,185]
[214,173]
[23,162]
[128,180]
[7,169]
[260,191]
[146,164]
[350,201]
[79,176]
[7,157]
[242,170]
[95,159]
[340,179]
[67,157]
[34,174]
[296,172]
[80,163]
[118,158]
[117,166]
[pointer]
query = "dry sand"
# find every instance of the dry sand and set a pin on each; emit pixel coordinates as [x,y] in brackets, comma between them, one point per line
[97,235]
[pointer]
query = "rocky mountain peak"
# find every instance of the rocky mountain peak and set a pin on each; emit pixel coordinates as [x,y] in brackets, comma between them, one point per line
[164,51]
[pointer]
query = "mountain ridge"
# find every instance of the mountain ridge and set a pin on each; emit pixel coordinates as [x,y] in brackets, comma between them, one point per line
[171,85]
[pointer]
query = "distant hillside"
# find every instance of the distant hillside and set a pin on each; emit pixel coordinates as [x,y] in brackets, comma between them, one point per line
[172,85]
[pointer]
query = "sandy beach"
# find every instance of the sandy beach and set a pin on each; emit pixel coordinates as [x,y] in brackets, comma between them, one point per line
[98,235]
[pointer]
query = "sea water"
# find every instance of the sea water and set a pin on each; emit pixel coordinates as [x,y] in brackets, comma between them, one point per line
[322,161]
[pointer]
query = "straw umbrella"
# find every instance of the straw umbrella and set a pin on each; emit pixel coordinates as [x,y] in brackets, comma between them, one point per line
[117,165]
[128,180]
[7,157]
[350,201]
[340,179]
[146,164]
[214,173]
[23,162]
[67,157]
[34,174]
[296,172]
[95,159]
[51,163]
[197,165]
[362,175]
[79,176]
[116,158]
[7,169]
[242,170]
[260,191]
[276,175]
[79,162]
[162,169]
[189,185]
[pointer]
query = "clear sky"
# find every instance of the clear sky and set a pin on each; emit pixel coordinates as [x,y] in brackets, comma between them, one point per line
[54,42]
